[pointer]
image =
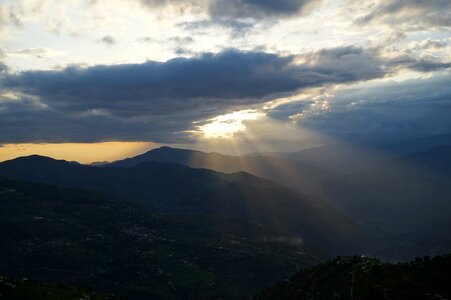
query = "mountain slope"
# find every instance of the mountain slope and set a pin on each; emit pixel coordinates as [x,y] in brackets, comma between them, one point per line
[179,189]
[348,158]
[414,188]
[366,278]
[339,158]
[435,161]
[298,175]
[418,145]
[14,289]
[406,202]
[87,239]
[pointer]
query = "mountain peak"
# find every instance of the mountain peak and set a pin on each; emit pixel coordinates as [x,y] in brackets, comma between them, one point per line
[33,157]
[162,154]
[167,149]
[164,148]
[36,161]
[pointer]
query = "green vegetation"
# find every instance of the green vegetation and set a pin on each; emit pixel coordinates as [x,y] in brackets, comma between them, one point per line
[86,239]
[367,278]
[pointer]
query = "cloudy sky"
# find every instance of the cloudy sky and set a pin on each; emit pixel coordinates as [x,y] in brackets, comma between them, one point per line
[244,75]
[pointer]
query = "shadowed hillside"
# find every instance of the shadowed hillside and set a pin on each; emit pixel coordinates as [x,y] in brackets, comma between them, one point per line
[14,289]
[406,202]
[178,189]
[86,239]
[367,278]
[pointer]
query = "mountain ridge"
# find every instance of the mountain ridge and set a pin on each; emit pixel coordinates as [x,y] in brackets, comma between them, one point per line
[297,175]
[171,187]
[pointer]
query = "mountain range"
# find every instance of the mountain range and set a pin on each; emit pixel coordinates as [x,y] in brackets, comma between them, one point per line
[174,188]
[403,198]
[183,224]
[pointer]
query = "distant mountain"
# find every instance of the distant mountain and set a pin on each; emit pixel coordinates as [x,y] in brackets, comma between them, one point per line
[404,199]
[99,163]
[435,162]
[86,239]
[298,175]
[367,278]
[174,188]
[347,158]
[340,158]
[409,196]
[418,145]
[192,158]
[415,188]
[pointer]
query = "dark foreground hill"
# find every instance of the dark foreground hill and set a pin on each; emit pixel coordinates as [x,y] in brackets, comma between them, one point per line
[86,239]
[367,278]
[173,188]
[14,289]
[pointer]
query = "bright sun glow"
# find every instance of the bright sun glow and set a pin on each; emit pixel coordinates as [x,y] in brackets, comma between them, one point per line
[225,126]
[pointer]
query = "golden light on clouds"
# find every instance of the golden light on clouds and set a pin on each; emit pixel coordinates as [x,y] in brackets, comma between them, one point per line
[225,126]
[80,152]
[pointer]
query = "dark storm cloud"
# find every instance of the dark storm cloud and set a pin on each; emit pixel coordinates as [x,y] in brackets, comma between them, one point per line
[28,120]
[344,64]
[158,101]
[48,125]
[219,80]
[224,79]
[413,13]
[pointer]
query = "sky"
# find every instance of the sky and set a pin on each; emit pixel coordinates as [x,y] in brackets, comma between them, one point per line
[235,76]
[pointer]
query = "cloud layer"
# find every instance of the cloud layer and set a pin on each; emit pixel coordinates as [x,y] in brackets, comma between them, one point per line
[381,113]
[239,8]
[159,101]
[222,80]
[168,97]
[412,14]
[259,8]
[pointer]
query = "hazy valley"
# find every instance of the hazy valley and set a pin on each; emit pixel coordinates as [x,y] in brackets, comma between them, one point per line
[162,225]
